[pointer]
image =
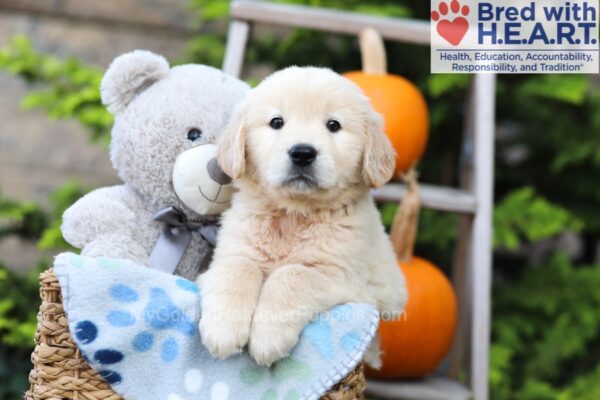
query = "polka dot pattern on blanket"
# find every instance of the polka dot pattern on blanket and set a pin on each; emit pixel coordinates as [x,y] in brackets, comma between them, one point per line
[138,328]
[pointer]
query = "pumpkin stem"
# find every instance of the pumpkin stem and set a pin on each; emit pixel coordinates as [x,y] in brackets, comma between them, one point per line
[374,59]
[406,220]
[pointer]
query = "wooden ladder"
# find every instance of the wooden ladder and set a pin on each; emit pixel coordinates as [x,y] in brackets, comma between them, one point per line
[473,202]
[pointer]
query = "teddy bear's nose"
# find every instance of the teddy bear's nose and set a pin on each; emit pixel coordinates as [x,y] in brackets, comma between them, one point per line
[216,173]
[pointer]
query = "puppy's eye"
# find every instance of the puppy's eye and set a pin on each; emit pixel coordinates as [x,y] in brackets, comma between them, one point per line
[276,123]
[333,125]
[194,134]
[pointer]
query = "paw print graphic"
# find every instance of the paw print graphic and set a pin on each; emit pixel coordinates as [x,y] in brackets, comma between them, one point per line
[144,329]
[159,314]
[451,23]
[148,321]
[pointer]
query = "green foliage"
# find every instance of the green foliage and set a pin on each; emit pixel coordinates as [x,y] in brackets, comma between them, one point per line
[19,296]
[17,318]
[523,214]
[441,84]
[23,219]
[436,231]
[553,121]
[60,199]
[29,221]
[18,306]
[585,387]
[293,48]
[567,89]
[210,10]
[586,149]
[546,329]
[71,89]
[206,49]
[387,212]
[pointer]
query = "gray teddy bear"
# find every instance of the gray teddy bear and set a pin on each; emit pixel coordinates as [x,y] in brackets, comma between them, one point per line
[162,146]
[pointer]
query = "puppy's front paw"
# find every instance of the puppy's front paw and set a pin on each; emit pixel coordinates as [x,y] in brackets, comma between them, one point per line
[373,354]
[392,306]
[224,337]
[271,341]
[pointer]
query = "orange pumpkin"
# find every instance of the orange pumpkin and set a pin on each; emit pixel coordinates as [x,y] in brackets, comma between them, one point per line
[397,99]
[414,344]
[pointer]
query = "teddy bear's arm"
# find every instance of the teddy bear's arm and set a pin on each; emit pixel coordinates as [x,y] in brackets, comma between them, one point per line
[103,223]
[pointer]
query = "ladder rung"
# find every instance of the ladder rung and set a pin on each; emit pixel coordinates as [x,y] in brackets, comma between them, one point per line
[432,196]
[330,20]
[436,388]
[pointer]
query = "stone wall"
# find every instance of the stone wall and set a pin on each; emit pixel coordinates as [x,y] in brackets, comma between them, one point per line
[38,154]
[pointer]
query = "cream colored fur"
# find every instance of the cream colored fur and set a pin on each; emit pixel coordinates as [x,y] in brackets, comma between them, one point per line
[287,250]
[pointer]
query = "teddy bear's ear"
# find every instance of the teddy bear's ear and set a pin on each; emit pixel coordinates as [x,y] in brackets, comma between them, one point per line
[128,75]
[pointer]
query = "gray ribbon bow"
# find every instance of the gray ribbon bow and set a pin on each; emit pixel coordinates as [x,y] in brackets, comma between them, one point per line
[176,236]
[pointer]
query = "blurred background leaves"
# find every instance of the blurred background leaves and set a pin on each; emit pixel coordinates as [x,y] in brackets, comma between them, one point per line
[70,89]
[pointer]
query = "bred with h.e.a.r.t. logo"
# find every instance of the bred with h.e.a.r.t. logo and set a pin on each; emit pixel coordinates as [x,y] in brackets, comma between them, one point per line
[507,36]
[450,22]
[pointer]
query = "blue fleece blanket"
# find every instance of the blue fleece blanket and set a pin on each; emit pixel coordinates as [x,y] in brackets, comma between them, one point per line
[138,328]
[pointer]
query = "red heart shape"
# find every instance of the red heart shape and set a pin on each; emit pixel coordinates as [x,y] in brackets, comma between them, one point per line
[453,31]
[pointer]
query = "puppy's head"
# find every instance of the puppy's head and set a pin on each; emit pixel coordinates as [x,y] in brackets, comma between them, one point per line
[307,131]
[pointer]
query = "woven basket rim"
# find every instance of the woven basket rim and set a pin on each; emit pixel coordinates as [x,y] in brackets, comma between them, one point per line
[60,371]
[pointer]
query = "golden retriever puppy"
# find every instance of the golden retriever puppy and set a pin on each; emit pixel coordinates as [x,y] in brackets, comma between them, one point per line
[302,234]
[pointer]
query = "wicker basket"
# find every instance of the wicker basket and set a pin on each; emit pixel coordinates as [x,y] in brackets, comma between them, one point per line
[60,372]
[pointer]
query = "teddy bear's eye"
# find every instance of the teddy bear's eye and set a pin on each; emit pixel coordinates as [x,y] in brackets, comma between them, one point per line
[333,125]
[194,134]
[276,123]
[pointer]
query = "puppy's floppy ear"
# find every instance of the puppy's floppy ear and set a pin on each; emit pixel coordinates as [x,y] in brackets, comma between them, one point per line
[379,159]
[231,147]
[129,75]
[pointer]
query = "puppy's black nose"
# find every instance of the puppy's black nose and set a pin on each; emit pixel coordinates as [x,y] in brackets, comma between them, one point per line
[302,154]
